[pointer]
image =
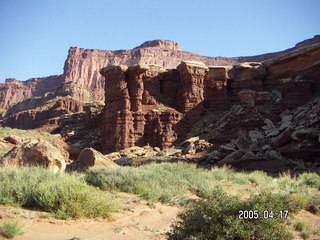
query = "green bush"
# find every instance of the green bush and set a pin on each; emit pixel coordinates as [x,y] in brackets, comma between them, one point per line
[313,203]
[12,229]
[66,195]
[300,226]
[310,179]
[171,182]
[218,218]
[295,202]
[165,182]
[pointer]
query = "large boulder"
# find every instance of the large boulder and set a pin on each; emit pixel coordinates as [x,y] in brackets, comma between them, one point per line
[13,139]
[36,152]
[90,157]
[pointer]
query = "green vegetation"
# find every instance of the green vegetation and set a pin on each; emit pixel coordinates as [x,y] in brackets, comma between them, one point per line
[6,131]
[216,214]
[305,230]
[310,179]
[300,226]
[218,218]
[12,229]
[166,182]
[222,192]
[173,182]
[65,195]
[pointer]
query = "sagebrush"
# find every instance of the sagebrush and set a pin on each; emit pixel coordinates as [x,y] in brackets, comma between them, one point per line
[65,195]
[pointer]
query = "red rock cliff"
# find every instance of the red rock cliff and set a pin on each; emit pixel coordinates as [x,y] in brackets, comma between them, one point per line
[14,91]
[82,67]
[150,105]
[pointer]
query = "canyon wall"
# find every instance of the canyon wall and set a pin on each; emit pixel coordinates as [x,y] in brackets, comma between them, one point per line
[44,112]
[13,91]
[147,104]
[82,67]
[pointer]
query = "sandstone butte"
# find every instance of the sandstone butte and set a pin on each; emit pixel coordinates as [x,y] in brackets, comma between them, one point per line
[147,104]
[82,67]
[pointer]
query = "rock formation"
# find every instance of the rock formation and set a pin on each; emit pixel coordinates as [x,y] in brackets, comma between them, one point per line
[132,114]
[44,112]
[14,91]
[82,67]
[150,105]
[36,152]
[246,113]
[91,158]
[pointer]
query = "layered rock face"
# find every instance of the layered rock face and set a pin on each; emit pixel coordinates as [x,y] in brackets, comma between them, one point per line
[150,105]
[44,112]
[132,115]
[14,91]
[82,67]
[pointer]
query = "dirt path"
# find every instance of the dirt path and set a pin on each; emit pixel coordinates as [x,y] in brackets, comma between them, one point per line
[141,220]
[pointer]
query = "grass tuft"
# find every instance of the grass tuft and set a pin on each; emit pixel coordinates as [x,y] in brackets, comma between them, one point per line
[12,229]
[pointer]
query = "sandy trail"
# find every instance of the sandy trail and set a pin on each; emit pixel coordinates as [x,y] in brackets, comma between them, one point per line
[140,220]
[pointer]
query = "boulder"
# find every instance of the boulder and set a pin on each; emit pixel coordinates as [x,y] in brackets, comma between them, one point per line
[245,144]
[269,124]
[285,122]
[124,161]
[191,149]
[194,145]
[13,139]
[272,133]
[256,136]
[229,147]
[170,152]
[282,138]
[305,134]
[133,151]
[232,158]
[187,142]
[37,152]
[113,156]
[90,157]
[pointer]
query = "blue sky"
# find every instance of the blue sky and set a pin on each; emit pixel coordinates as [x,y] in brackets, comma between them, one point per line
[35,35]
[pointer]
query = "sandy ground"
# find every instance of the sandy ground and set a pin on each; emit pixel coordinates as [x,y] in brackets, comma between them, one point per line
[312,220]
[140,220]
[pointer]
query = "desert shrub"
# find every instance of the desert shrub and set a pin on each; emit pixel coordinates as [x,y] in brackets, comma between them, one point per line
[300,226]
[310,179]
[12,229]
[218,218]
[222,173]
[313,204]
[259,178]
[305,229]
[165,182]
[169,182]
[65,195]
[295,202]
[288,184]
